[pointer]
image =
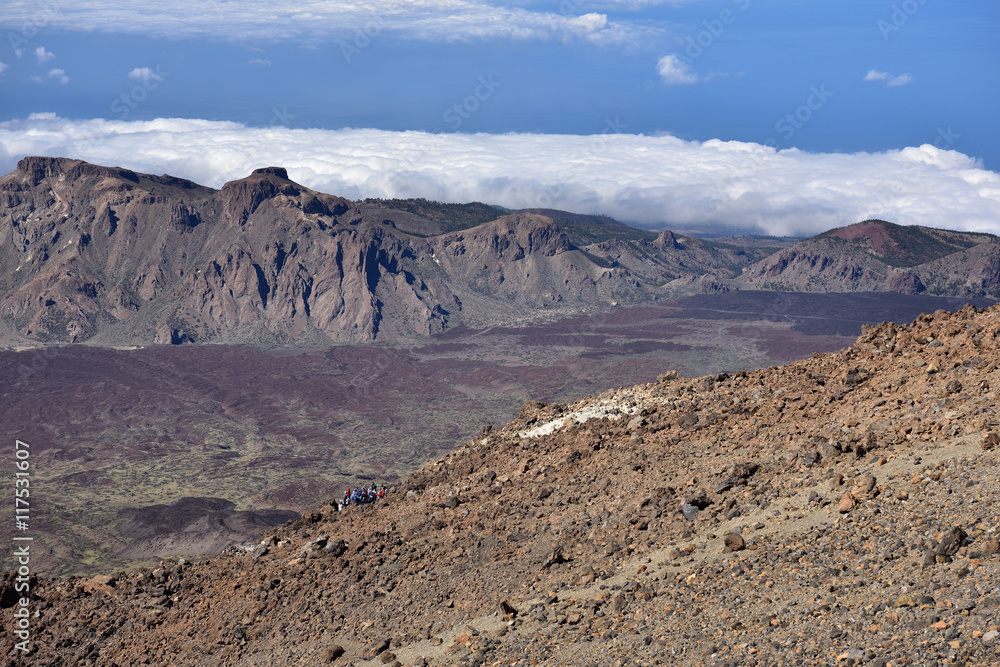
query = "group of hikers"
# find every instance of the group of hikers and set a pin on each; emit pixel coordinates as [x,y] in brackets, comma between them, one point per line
[362,495]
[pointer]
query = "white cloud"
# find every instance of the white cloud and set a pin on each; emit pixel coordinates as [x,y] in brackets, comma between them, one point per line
[657,181]
[901,80]
[3,67]
[674,71]
[889,79]
[261,61]
[145,75]
[43,55]
[432,20]
[59,75]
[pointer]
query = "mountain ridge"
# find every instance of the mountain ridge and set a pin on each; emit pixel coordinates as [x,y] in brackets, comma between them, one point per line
[880,256]
[108,256]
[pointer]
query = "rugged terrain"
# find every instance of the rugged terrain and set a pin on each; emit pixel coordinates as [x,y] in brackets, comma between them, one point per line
[108,256]
[842,509]
[878,256]
[285,428]
[112,257]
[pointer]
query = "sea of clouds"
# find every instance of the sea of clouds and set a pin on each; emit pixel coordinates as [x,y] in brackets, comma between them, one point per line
[653,181]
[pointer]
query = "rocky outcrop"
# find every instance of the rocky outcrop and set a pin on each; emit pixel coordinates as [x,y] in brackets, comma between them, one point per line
[115,257]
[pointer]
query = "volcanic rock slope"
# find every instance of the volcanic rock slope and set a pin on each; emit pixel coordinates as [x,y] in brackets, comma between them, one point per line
[879,256]
[113,257]
[843,509]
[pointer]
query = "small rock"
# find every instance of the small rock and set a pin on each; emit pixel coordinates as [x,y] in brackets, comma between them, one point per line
[387,657]
[846,503]
[331,653]
[990,441]
[953,387]
[735,542]
[381,646]
[990,637]
[851,656]
[864,487]
[905,600]
[554,558]
[689,511]
[992,546]
[507,610]
[952,542]
[337,548]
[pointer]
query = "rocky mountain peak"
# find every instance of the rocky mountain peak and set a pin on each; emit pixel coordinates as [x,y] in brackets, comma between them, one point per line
[242,197]
[280,172]
[667,239]
[37,168]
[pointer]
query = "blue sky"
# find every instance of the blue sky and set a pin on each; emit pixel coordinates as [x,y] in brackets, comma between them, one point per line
[817,77]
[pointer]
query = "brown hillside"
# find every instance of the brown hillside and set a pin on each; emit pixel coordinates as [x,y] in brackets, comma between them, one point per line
[838,510]
[878,256]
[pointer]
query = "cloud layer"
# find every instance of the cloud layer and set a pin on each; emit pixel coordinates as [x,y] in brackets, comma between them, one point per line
[655,181]
[433,20]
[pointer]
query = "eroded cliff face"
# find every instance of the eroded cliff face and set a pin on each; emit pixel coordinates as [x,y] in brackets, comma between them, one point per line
[109,255]
[114,257]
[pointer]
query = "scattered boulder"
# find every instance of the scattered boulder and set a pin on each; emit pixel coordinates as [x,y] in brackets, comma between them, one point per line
[734,542]
[331,653]
[847,503]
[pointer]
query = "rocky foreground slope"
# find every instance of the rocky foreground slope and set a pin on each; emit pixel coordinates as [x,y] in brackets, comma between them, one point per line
[844,509]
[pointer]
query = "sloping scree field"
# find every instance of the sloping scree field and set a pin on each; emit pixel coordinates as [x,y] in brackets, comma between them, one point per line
[839,510]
